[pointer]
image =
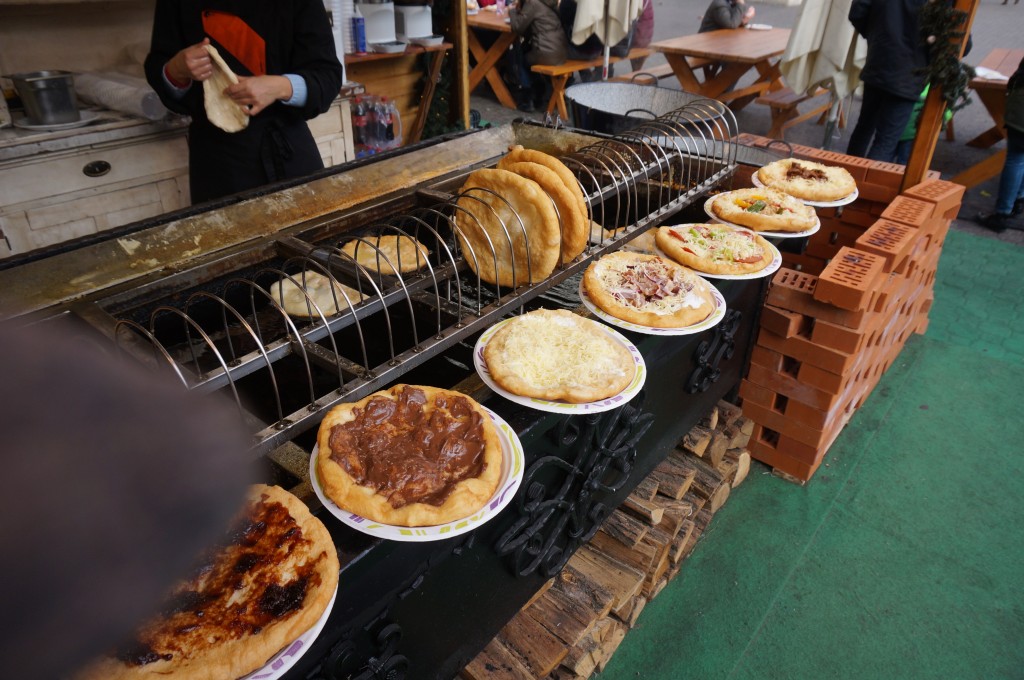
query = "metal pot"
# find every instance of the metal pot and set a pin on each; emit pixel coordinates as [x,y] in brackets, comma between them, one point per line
[48,96]
[612,107]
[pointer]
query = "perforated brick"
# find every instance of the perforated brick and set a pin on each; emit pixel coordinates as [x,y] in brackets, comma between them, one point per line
[819,378]
[870,192]
[889,174]
[791,387]
[908,211]
[755,394]
[849,280]
[780,321]
[794,291]
[856,166]
[943,194]
[835,336]
[891,240]
[803,350]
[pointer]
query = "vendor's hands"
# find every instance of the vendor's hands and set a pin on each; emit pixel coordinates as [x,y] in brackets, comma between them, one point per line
[191,63]
[256,93]
[748,15]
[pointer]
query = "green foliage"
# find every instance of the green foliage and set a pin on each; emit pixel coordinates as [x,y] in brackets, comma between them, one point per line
[942,26]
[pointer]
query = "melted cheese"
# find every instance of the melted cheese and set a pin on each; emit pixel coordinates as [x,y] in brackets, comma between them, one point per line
[552,351]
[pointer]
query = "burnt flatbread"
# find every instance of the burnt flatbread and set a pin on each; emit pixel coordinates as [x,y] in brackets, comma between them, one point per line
[268,582]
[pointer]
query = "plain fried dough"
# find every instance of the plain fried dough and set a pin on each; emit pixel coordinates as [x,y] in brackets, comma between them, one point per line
[504,216]
[573,222]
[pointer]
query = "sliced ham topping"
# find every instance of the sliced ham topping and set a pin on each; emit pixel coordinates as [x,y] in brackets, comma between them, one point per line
[646,282]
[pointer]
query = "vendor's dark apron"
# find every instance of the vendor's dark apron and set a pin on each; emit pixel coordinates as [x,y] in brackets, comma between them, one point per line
[274,147]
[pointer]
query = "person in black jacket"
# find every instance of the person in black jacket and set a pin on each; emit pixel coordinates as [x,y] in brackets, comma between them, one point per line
[893,75]
[284,55]
[726,14]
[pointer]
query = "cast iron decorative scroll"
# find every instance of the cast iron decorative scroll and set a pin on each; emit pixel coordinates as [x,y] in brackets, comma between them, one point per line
[345,661]
[710,353]
[563,505]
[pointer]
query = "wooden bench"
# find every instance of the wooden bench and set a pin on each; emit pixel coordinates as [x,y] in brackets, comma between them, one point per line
[561,73]
[785,114]
[646,75]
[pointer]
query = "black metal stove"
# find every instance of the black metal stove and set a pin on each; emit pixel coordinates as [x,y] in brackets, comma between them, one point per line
[208,320]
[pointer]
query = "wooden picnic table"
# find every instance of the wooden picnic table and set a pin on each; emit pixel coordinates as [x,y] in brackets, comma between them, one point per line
[487,58]
[992,93]
[735,51]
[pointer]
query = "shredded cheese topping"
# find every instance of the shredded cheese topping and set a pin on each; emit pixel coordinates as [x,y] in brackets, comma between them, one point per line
[548,351]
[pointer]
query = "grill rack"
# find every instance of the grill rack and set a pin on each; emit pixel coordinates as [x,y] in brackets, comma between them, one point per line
[240,335]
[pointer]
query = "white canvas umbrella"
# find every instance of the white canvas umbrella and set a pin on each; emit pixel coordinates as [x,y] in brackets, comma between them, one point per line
[824,50]
[608,19]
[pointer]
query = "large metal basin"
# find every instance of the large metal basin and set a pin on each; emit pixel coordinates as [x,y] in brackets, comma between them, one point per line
[612,107]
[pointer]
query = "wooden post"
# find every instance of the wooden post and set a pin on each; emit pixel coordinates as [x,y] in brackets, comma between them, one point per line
[460,80]
[930,125]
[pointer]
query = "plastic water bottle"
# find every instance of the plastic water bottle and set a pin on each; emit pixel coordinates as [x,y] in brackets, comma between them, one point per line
[499,7]
[380,124]
[360,127]
[359,32]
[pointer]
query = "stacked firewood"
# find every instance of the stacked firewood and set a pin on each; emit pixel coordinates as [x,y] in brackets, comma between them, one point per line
[571,628]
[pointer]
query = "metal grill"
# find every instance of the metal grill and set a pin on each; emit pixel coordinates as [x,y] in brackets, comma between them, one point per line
[385,313]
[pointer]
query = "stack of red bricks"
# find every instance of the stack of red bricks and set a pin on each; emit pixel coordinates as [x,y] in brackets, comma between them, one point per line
[837,316]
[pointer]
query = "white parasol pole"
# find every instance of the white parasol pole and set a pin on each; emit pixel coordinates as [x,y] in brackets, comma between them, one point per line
[607,47]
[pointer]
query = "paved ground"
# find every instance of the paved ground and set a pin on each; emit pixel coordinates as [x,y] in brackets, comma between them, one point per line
[996,25]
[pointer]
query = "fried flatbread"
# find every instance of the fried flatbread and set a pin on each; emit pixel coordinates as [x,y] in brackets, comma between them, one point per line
[388,253]
[292,295]
[808,180]
[715,248]
[573,222]
[764,210]
[490,232]
[558,355]
[519,154]
[648,290]
[267,583]
[410,456]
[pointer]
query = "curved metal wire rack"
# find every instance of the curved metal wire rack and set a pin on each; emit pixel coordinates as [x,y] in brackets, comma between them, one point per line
[365,313]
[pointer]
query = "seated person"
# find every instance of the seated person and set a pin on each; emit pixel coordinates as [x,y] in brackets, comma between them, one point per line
[726,14]
[542,42]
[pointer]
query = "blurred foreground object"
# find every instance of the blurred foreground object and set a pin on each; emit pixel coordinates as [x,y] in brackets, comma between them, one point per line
[115,482]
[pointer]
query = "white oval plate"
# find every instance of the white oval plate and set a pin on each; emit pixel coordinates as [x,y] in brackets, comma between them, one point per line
[716,315]
[771,234]
[759,27]
[85,117]
[282,662]
[845,200]
[513,462]
[639,376]
[769,269]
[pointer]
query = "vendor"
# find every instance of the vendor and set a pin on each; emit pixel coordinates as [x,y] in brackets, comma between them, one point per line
[288,72]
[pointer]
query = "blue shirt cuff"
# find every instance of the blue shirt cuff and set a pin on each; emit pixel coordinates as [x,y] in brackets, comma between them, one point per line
[299,90]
